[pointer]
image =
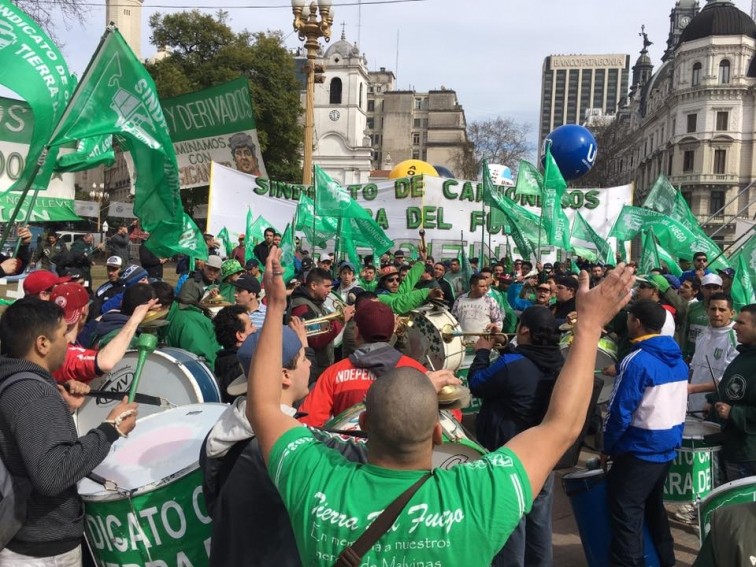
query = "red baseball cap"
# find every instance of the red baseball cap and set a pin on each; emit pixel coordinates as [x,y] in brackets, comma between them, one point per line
[72,297]
[40,280]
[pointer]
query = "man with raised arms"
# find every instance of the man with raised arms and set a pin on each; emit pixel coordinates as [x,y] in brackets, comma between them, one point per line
[331,502]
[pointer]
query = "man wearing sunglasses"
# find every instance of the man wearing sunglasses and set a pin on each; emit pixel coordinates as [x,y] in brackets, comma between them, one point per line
[401,295]
[699,269]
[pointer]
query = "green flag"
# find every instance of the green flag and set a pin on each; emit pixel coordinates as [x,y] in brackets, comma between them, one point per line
[488,188]
[586,253]
[249,242]
[318,230]
[330,198]
[224,238]
[662,196]
[584,231]
[748,252]
[46,209]
[668,260]
[32,66]
[354,218]
[90,153]
[621,250]
[674,237]
[117,96]
[554,219]
[649,259]
[287,256]
[529,179]
[742,285]
[257,230]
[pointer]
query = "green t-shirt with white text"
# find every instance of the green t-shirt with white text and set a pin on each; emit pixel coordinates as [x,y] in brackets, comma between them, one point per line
[460,516]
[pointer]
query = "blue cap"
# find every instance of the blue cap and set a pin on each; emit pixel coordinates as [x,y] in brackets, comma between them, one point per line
[291,347]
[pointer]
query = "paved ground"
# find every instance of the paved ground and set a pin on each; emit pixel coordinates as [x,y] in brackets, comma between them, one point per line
[568,551]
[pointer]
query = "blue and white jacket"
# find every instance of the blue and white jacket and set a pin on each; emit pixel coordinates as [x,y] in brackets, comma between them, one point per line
[647,408]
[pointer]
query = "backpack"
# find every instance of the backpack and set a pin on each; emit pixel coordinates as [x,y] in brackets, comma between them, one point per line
[14,491]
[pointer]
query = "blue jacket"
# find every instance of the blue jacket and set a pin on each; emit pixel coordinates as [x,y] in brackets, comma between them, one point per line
[647,408]
[513,296]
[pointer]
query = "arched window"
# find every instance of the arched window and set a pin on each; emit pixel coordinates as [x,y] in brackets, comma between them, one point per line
[724,72]
[696,78]
[336,91]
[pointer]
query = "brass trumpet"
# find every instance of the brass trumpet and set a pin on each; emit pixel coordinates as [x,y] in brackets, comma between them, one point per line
[322,325]
[402,325]
[448,334]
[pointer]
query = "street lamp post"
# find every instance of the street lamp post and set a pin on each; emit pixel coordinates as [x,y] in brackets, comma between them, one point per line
[310,30]
[99,195]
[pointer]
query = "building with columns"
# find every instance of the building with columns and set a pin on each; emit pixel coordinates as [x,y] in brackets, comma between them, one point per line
[693,119]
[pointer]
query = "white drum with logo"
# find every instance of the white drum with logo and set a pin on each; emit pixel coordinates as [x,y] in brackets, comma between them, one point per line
[176,375]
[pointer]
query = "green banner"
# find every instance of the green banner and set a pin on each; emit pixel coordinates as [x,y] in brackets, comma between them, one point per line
[46,209]
[210,112]
[167,526]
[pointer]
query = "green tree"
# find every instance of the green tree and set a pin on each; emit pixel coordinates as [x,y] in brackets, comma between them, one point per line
[204,51]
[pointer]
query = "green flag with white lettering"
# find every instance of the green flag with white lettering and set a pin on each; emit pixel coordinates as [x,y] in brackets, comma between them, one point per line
[117,96]
[748,252]
[249,241]
[649,259]
[662,196]
[287,253]
[32,66]
[90,153]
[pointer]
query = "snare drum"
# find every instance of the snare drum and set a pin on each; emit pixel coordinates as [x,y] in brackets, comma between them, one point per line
[694,470]
[152,511]
[456,448]
[429,321]
[176,375]
[606,356]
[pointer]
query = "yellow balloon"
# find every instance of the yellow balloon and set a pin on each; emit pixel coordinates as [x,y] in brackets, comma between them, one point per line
[411,167]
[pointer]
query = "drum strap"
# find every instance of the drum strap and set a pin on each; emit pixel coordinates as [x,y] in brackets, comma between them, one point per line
[352,555]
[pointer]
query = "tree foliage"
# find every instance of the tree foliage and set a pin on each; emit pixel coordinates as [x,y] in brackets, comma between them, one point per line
[499,140]
[204,51]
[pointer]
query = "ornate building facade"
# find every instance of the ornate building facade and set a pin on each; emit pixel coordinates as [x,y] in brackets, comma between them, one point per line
[694,118]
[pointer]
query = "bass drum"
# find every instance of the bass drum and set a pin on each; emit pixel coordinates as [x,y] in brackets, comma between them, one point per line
[176,375]
[143,505]
[606,356]
[429,322]
[456,448]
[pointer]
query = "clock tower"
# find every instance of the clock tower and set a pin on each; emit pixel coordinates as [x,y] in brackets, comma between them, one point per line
[680,16]
[341,145]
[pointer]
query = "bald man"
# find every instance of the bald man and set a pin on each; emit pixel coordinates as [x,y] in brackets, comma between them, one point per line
[331,502]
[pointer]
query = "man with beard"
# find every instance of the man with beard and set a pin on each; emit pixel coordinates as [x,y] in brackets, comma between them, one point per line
[44,253]
[439,271]
[515,391]
[261,250]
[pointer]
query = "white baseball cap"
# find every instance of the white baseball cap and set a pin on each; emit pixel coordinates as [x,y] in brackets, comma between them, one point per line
[711,279]
[114,262]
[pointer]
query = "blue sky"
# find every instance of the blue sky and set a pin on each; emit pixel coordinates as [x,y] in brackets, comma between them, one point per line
[490,51]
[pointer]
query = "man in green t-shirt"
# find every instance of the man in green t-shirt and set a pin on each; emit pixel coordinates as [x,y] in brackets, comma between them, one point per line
[460,516]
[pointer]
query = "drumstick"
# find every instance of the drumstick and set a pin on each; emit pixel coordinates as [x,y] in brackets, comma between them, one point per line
[146,344]
[138,398]
[430,362]
[712,373]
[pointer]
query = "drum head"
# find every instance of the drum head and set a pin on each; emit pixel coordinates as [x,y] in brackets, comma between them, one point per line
[697,428]
[429,321]
[176,375]
[161,447]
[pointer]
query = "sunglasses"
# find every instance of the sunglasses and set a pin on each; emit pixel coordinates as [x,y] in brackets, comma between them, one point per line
[392,279]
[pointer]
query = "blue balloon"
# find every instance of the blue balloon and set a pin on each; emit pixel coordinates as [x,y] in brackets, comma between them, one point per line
[444,171]
[574,149]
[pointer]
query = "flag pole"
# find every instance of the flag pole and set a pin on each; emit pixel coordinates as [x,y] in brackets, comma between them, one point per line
[733,243]
[483,230]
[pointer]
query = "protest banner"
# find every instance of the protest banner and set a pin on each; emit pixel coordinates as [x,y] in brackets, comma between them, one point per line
[442,207]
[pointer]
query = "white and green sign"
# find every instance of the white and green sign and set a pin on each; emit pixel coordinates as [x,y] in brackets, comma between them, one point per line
[215,124]
[447,209]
